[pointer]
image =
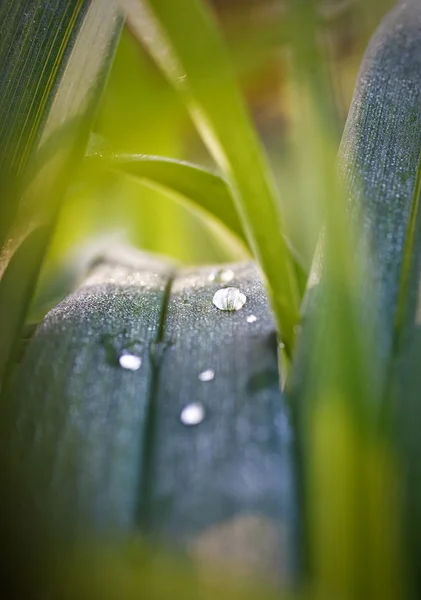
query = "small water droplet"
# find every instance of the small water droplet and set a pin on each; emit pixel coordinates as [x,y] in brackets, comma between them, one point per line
[229,298]
[222,275]
[225,276]
[192,414]
[207,375]
[130,362]
[118,344]
[251,319]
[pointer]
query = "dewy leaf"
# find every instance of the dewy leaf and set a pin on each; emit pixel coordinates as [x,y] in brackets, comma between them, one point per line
[380,156]
[184,41]
[405,379]
[196,185]
[54,57]
[113,431]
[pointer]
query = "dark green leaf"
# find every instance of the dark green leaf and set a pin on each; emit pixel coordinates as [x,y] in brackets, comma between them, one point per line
[99,452]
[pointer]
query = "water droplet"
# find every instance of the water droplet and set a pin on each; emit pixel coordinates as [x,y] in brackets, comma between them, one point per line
[118,344]
[229,298]
[207,375]
[222,276]
[251,319]
[225,276]
[130,362]
[192,414]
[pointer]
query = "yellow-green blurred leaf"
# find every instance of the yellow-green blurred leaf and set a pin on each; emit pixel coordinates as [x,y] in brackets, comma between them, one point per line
[54,58]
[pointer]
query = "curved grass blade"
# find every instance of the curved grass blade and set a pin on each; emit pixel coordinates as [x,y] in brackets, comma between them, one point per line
[46,82]
[185,43]
[197,186]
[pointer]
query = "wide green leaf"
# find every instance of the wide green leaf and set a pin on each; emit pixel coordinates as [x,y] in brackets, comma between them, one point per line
[54,57]
[183,39]
[123,418]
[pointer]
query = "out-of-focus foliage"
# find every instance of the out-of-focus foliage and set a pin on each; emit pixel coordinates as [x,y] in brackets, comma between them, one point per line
[141,114]
[48,101]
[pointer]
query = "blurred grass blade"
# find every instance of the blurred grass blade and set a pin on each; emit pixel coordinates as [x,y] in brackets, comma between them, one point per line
[184,41]
[349,457]
[54,57]
[197,186]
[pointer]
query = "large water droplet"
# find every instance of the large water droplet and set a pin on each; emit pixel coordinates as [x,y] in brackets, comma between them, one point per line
[192,414]
[207,375]
[251,319]
[229,298]
[130,362]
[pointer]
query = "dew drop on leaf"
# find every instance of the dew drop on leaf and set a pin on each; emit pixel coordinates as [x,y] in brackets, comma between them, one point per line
[222,276]
[131,362]
[192,414]
[229,298]
[251,319]
[207,375]
[225,276]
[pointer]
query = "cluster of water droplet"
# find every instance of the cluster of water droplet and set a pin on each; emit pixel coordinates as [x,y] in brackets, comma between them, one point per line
[226,299]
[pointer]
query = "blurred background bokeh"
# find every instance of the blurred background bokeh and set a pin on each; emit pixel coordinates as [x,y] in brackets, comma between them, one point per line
[141,114]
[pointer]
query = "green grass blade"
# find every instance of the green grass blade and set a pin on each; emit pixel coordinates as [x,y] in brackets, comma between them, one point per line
[349,456]
[46,83]
[197,186]
[184,41]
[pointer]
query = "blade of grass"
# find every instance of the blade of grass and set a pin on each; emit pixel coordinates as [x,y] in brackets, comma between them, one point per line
[352,473]
[184,41]
[195,185]
[46,81]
